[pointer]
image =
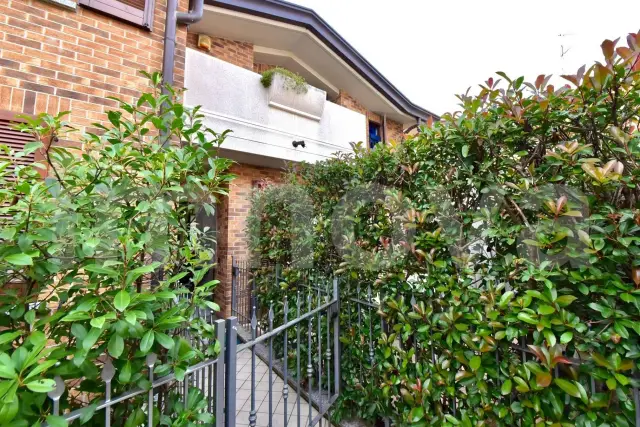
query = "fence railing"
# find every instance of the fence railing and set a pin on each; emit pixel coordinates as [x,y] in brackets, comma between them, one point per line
[299,342]
[206,379]
[301,346]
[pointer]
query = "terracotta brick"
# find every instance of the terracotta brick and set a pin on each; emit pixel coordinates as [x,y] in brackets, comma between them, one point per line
[63,37]
[12,12]
[8,81]
[8,29]
[41,103]
[66,22]
[67,53]
[52,106]
[17,99]
[73,79]
[18,57]
[29,102]
[36,87]
[94,30]
[18,74]
[5,98]
[88,90]
[47,72]
[7,63]
[12,47]
[107,102]
[48,81]
[24,25]
[72,94]
[106,71]
[44,22]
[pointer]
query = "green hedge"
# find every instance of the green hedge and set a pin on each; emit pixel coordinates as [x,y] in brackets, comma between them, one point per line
[502,245]
[76,252]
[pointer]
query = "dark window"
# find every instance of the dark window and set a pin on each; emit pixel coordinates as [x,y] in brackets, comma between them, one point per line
[375,135]
[137,12]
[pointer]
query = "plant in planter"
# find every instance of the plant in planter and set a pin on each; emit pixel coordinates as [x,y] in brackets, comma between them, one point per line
[293,81]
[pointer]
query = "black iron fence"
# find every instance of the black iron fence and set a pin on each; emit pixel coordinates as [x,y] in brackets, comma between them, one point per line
[243,291]
[301,349]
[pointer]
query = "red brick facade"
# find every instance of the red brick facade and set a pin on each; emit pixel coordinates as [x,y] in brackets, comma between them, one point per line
[53,60]
[232,215]
[234,52]
[261,68]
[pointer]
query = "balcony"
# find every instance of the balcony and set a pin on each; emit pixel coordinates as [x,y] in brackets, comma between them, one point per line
[266,121]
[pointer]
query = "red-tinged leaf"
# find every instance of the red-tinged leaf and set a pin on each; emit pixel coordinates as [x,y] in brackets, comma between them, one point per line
[539,81]
[538,352]
[635,275]
[560,359]
[631,41]
[624,52]
[572,79]
[543,379]
[608,49]
[490,82]
[560,203]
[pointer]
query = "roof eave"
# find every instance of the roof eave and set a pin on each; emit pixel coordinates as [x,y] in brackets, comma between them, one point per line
[304,17]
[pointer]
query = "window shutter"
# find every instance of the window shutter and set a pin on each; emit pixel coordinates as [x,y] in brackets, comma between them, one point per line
[138,4]
[15,139]
[137,12]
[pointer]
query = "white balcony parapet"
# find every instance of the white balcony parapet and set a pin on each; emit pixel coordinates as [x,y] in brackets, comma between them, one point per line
[266,121]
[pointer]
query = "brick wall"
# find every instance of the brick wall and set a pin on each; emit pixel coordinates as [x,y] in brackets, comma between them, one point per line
[53,60]
[395,131]
[234,52]
[232,215]
[261,68]
[350,102]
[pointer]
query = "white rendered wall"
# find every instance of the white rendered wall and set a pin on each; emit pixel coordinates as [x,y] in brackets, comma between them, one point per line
[233,98]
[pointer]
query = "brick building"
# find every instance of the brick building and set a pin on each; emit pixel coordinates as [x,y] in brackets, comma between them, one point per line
[71,55]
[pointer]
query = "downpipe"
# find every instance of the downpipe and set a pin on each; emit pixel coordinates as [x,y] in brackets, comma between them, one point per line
[173,18]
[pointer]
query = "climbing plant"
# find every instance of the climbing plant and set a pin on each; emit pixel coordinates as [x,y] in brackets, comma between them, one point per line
[500,248]
[104,260]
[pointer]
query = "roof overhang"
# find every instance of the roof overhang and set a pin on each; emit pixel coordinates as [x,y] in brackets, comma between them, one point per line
[297,38]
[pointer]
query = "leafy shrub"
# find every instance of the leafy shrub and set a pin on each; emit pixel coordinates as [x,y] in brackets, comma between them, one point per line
[501,245]
[293,81]
[77,250]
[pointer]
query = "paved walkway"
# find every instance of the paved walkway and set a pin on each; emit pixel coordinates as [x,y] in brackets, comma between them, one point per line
[243,397]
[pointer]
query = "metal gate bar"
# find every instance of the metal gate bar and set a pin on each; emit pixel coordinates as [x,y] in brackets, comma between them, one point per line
[322,311]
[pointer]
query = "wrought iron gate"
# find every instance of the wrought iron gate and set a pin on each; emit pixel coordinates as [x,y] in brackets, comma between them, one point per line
[292,350]
[290,373]
[242,291]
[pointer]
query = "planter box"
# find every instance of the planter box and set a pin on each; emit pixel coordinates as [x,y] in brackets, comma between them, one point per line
[282,95]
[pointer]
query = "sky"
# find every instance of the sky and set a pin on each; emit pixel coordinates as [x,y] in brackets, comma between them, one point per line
[432,50]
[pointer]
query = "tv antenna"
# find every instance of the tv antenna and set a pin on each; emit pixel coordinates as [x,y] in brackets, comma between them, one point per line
[564,50]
